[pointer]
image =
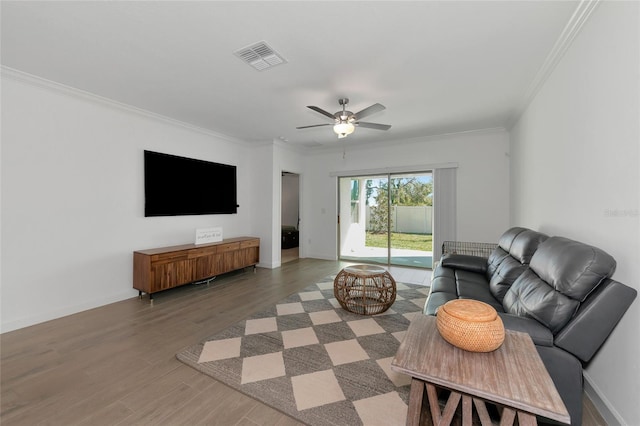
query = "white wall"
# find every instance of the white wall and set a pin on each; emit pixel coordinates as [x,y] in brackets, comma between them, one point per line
[73,198]
[267,163]
[262,182]
[575,172]
[482,175]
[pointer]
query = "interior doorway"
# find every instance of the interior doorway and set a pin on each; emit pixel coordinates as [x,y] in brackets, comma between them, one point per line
[387,219]
[290,217]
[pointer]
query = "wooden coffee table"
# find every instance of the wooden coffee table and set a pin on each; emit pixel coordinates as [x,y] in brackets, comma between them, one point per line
[512,377]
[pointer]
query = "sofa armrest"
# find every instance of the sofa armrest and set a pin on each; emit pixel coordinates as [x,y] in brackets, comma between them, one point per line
[566,372]
[465,262]
[595,320]
[540,334]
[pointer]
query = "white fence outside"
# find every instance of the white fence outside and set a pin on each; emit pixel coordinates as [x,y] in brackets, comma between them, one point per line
[409,219]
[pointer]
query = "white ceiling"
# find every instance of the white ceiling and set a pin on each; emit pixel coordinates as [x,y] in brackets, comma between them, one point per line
[438,66]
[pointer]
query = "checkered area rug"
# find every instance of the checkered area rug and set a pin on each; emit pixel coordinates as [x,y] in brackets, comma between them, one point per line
[314,361]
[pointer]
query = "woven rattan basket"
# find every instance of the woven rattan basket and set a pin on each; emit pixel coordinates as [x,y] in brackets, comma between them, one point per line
[470,325]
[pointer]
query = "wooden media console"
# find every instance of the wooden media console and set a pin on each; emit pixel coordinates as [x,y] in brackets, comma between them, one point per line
[163,268]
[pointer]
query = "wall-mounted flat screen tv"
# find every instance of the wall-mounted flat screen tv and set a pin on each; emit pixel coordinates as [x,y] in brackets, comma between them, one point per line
[176,186]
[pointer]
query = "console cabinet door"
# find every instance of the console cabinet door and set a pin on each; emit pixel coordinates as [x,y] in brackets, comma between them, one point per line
[245,257]
[227,253]
[249,253]
[209,266]
[168,275]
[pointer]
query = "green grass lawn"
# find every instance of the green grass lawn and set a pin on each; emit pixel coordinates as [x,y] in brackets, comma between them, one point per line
[422,242]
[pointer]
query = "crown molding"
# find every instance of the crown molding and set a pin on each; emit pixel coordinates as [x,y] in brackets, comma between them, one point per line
[289,147]
[416,168]
[33,80]
[364,145]
[569,33]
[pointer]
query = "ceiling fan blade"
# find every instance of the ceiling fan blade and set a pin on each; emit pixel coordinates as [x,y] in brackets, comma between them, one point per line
[369,110]
[321,111]
[313,125]
[373,125]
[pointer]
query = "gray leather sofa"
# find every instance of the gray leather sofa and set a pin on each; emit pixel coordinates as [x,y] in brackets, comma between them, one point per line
[557,290]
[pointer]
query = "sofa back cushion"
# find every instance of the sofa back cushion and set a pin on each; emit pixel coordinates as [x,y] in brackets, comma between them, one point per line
[561,274]
[502,251]
[523,246]
[506,274]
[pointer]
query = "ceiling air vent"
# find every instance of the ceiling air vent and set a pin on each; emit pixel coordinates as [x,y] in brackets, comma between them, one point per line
[260,56]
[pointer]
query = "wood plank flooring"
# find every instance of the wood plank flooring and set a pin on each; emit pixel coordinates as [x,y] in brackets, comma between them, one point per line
[116,365]
[287,255]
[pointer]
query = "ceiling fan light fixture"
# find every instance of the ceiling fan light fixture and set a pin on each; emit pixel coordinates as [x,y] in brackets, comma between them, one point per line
[345,122]
[343,129]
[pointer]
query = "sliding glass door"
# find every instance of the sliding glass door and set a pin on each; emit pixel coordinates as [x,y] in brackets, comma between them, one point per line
[387,219]
[411,219]
[363,226]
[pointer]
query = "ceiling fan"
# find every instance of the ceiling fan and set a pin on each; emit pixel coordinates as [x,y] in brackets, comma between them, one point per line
[345,122]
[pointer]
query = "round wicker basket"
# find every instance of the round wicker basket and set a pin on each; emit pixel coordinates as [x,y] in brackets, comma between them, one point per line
[364,289]
[470,325]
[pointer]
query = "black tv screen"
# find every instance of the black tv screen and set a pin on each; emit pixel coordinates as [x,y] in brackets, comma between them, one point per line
[176,186]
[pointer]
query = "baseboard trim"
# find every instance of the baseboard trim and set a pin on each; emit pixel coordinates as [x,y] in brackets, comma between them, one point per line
[43,317]
[321,256]
[268,265]
[601,403]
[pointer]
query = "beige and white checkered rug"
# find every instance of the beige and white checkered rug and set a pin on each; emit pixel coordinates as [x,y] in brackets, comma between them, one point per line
[314,361]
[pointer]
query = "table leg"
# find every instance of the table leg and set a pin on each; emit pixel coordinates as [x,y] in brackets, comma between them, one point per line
[467,410]
[526,419]
[450,408]
[415,402]
[481,408]
[434,404]
[508,416]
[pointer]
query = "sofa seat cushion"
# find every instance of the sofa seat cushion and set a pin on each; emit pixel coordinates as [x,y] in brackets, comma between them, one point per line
[444,285]
[444,280]
[440,271]
[436,300]
[540,334]
[466,279]
[481,294]
[450,284]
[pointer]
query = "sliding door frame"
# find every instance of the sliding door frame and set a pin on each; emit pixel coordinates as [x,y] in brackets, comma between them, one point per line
[353,233]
